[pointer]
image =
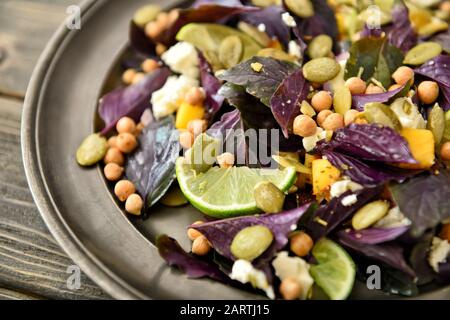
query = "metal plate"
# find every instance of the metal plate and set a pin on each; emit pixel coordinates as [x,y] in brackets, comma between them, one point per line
[76,203]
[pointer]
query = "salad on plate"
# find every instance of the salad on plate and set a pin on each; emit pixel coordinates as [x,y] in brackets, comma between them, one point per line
[313,136]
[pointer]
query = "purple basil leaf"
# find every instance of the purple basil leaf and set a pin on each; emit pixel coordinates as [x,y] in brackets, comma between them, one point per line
[222,232]
[424,199]
[376,235]
[226,3]
[390,253]
[286,99]
[438,69]
[443,275]
[194,267]
[371,142]
[371,32]
[402,34]
[261,84]
[360,100]
[331,215]
[130,101]
[211,85]
[418,259]
[152,167]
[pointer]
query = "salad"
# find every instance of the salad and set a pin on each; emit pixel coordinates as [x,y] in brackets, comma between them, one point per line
[313,135]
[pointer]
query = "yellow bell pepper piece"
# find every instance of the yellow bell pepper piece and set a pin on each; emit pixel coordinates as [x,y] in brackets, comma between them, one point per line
[188,112]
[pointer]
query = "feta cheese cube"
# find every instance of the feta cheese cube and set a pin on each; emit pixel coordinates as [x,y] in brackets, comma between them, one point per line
[182,58]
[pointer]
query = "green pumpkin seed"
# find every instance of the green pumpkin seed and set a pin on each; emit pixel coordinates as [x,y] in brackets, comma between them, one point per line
[251,242]
[376,112]
[320,47]
[447,127]
[301,8]
[146,14]
[268,197]
[436,123]
[286,161]
[436,25]
[261,37]
[264,3]
[370,214]
[307,109]
[230,51]
[276,54]
[342,100]
[213,60]
[92,150]
[174,198]
[423,53]
[321,70]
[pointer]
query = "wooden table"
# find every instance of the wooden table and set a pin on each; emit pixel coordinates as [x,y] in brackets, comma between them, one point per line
[32,265]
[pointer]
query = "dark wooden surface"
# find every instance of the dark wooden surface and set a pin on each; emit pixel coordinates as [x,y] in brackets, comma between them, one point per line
[32,265]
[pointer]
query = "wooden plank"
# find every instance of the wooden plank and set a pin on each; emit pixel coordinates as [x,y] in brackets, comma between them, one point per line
[30,259]
[25,28]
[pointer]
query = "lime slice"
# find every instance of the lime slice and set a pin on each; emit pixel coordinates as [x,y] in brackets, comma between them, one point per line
[208,37]
[223,193]
[335,271]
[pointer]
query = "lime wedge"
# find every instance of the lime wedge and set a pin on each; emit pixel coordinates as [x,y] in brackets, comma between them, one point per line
[223,193]
[207,37]
[335,271]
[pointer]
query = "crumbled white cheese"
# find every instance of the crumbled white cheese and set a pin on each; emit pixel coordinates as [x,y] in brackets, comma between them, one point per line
[166,100]
[244,272]
[288,20]
[408,113]
[393,219]
[340,187]
[296,268]
[349,200]
[439,251]
[262,27]
[182,58]
[294,49]
[310,142]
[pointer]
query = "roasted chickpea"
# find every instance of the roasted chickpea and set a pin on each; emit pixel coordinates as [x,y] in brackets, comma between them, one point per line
[113,171]
[163,19]
[394,87]
[225,160]
[322,116]
[126,142]
[139,127]
[186,139]
[123,189]
[333,122]
[373,89]
[192,233]
[350,116]
[153,29]
[290,288]
[138,77]
[197,126]
[112,141]
[356,85]
[149,65]
[201,246]
[445,6]
[128,76]
[125,124]
[301,244]
[134,204]
[428,91]
[445,232]
[195,96]
[304,126]
[445,151]
[160,49]
[114,155]
[173,16]
[403,74]
[322,100]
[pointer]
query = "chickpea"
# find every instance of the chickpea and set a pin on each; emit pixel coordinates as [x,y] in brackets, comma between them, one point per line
[195,96]
[350,116]
[201,246]
[333,122]
[134,204]
[373,89]
[361,121]
[128,75]
[124,189]
[153,29]
[445,6]
[149,65]
[126,124]
[322,116]
[225,160]
[174,14]
[114,155]
[186,139]
[322,100]
[163,19]
[356,85]
[138,77]
[113,171]
[197,126]
[126,142]
[403,74]
[301,244]
[290,288]
[445,151]
[394,87]
[160,49]
[445,232]
[428,91]
[304,126]
[192,233]
[139,127]
[112,141]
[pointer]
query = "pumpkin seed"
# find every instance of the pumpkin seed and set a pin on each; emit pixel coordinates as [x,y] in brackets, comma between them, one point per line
[321,70]
[276,54]
[146,14]
[307,109]
[174,198]
[230,51]
[285,162]
[436,25]
[213,60]
[369,214]
[261,37]
[376,112]
[268,197]
[320,46]
[436,123]
[423,53]
[251,242]
[264,3]
[342,100]
[301,8]
[92,150]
